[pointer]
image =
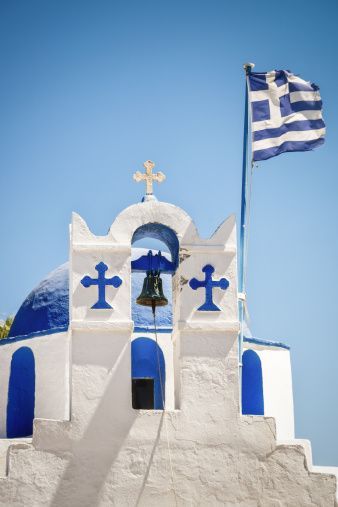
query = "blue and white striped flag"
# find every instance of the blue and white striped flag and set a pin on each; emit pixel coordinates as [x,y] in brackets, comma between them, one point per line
[286,114]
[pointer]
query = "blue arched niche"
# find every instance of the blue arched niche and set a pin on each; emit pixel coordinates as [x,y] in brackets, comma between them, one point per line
[147,361]
[162,233]
[252,384]
[21,394]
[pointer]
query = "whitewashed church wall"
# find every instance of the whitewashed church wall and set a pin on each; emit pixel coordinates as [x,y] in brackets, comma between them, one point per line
[277,389]
[51,356]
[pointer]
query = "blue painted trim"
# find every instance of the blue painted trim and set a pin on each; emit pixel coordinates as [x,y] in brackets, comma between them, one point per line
[257,341]
[101,281]
[35,334]
[138,329]
[269,343]
[209,284]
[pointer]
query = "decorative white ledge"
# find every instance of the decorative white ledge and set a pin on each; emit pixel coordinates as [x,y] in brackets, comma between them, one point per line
[93,325]
[210,248]
[205,326]
[116,247]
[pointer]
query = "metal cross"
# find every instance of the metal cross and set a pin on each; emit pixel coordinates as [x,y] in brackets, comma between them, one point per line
[101,281]
[149,177]
[209,284]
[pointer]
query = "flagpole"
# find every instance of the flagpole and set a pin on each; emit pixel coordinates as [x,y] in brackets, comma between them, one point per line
[243,227]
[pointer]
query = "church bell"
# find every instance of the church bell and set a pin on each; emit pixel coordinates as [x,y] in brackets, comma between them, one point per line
[152,291]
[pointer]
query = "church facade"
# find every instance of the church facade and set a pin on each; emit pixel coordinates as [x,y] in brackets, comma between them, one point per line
[103,403]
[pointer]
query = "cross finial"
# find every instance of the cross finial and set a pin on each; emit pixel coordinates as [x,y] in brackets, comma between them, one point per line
[149,178]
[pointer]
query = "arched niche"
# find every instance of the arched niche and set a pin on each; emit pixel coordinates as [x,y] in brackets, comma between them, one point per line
[148,374]
[162,233]
[21,394]
[252,384]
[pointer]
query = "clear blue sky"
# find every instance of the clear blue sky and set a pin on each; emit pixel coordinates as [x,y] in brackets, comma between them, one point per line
[91,89]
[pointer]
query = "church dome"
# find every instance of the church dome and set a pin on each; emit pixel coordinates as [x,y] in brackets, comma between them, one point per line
[46,308]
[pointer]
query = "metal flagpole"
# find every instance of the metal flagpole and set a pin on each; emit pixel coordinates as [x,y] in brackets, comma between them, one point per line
[243,228]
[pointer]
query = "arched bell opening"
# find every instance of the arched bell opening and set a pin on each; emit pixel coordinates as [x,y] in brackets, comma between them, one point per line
[162,233]
[154,254]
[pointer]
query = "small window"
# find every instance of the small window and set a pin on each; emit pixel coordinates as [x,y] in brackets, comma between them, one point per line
[143,393]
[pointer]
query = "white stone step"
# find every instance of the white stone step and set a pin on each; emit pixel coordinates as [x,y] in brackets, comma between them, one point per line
[4,445]
[306,444]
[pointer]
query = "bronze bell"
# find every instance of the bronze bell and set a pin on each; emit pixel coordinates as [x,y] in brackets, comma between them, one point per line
[152,291]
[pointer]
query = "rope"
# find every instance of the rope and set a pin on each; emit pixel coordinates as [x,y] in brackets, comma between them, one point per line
[163,403]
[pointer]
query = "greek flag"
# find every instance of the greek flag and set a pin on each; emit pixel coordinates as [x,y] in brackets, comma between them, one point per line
[286,114]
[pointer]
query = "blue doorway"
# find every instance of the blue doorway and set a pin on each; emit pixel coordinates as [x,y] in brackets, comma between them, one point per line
[252,384]
[148,366]
[21,394]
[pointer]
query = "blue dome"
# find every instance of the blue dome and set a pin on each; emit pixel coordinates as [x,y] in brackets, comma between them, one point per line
[46,308]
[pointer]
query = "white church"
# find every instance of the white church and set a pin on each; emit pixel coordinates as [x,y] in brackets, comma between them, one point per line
[121,382]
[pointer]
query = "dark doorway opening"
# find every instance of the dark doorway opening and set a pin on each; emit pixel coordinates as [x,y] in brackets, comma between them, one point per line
[143,393]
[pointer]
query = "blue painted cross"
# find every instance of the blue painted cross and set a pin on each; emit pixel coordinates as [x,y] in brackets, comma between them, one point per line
[209,284]
[101,281]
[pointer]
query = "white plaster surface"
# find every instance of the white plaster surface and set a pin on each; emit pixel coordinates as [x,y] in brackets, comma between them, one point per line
[4,445]
[204,453]
[277,388]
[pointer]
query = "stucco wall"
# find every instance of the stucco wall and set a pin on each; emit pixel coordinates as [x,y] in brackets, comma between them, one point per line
[277,388]
[205,453]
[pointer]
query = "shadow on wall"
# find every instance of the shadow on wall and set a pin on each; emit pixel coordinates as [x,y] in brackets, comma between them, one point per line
[21,394]
[93,455]
[252,384]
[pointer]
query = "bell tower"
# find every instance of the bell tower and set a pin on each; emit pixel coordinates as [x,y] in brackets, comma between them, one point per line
[204,292]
